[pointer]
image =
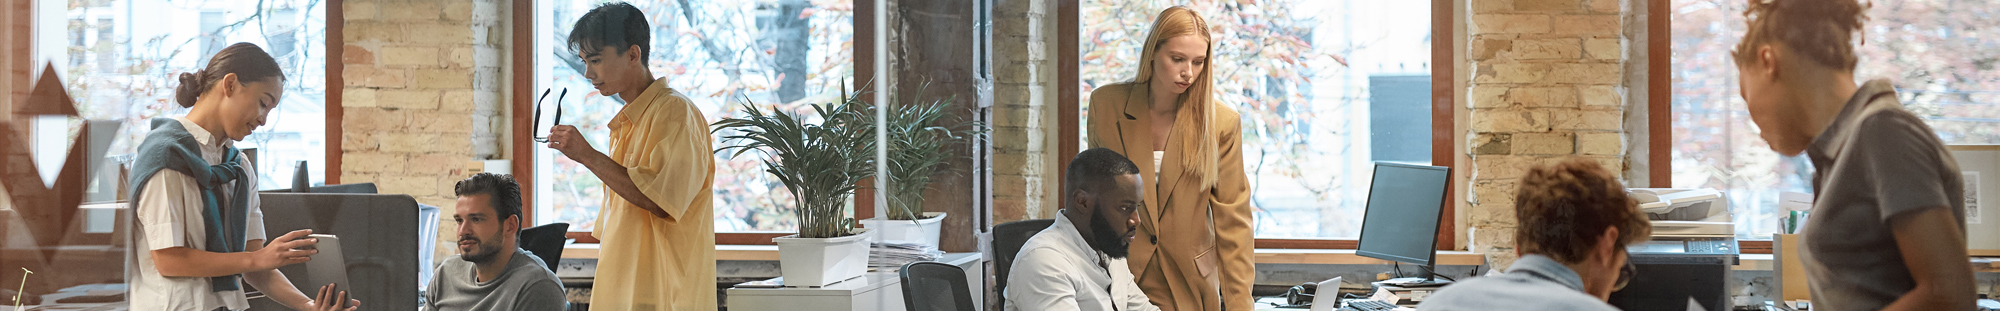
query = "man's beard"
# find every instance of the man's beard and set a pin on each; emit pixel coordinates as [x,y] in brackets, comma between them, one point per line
[480,251]
[1113,242]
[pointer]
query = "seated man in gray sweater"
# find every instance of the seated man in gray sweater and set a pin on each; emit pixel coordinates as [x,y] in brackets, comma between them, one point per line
[491,272]
[1575,221]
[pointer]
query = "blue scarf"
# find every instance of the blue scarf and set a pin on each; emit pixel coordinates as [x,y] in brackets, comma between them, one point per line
[169,146]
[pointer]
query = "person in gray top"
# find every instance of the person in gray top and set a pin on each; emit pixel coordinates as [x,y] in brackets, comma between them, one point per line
[1887,225]
[1575,221]
[491,272]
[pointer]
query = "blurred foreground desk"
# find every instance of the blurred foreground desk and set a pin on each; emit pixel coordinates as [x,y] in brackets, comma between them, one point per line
[871,292]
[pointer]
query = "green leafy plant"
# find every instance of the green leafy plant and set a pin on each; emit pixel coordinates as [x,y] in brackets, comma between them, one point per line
[917,151]
[819,163]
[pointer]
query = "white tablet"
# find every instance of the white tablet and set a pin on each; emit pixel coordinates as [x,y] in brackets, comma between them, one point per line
[326,267]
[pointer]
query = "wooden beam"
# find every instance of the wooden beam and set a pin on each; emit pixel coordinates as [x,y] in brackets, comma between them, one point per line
[1068,87]
[336,46]
[1443,104]
[1307,243]
[1659,96]
[523,106]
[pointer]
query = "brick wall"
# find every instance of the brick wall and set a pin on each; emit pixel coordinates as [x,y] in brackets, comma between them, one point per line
[421,95]
[1024,115]
[1547,84]
[15,66]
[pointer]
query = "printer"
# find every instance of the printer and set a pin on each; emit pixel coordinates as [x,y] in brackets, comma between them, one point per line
[1686,221]
[1689,256]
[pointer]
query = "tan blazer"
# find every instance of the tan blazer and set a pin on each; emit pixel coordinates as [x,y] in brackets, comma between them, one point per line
[1194,241]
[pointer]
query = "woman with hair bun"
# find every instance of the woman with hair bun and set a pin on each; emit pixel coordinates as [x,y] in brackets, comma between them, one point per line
[1887,229]
[197,231]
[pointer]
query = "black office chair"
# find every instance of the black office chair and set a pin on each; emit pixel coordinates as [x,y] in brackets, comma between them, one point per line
[935,286]
[546,241]
[1007,240]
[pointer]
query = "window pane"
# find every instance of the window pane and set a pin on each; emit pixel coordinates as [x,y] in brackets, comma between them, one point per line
[1942,68]
[773,53]
[125,58]
[120,61]
[1300,72]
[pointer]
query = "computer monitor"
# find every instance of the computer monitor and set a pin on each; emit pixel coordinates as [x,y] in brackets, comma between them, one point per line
[1405,203]
[379,236]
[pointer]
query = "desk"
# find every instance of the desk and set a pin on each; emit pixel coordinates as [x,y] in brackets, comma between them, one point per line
[871,292]
[1272,303]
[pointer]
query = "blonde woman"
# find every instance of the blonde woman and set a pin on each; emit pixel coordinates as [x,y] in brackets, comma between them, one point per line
[1192,251]
[1887,228]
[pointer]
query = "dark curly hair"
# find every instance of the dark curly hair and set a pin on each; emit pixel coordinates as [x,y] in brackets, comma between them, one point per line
[505,193]
[1093,170]
[1564,208]
[1820,30]
[616,25]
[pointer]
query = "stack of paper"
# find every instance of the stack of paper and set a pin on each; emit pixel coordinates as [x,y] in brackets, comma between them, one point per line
[892,255]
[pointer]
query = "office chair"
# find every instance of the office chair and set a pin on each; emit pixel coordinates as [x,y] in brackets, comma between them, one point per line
[546,241]
[1007,240]
[935,286]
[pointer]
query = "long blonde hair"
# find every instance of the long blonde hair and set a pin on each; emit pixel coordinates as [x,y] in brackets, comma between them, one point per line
[1195,104]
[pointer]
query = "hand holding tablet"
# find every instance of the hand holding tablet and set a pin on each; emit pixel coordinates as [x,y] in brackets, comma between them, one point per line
[328,273]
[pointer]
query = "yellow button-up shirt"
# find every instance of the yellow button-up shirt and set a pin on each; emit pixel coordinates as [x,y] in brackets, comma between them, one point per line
[646,262]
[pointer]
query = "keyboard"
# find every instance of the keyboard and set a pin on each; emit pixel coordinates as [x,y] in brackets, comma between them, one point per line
[1368,305]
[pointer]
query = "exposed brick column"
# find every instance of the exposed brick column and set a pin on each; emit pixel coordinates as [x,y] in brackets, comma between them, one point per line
[16,18]
[1547,84]
[1024,116]
[421,96]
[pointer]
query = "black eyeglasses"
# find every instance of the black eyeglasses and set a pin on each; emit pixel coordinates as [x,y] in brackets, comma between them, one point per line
[1625,273]
[543,138]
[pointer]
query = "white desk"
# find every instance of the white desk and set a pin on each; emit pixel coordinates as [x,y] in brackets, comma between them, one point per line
[874,291]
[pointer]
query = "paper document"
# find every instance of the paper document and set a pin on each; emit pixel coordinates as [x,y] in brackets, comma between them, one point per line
[1971,197]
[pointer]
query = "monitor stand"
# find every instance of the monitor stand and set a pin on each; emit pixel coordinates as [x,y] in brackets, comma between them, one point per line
[1415,282]
[1429,280]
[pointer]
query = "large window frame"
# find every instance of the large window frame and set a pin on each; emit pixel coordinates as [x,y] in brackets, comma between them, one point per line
[34,18]
[1443,108]
[1659,104]
[522,109]
[1660,98]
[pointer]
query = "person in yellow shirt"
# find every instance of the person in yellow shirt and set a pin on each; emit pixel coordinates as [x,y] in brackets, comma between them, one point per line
[657,229]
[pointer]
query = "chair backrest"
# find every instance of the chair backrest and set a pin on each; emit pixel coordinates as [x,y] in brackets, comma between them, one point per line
[1007,240]
[546,241]
[935,286]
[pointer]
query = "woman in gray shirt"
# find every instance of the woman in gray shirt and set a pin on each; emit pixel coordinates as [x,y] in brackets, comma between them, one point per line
[1886,232]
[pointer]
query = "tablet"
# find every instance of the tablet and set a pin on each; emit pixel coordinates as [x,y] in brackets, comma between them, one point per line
[326,267]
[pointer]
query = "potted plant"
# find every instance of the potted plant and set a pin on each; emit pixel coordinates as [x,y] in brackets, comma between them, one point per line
[819,163]
[917,151]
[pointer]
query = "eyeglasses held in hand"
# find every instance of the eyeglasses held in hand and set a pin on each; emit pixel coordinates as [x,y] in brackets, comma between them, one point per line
[544,137]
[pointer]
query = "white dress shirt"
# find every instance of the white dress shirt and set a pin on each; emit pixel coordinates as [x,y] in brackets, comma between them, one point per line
[1058,271]
[168,215]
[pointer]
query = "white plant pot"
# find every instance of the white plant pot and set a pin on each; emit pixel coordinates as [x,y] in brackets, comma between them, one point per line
[818,262]
[920,231]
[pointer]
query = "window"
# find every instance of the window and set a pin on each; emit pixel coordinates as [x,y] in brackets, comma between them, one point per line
[120,61]
[125,57]
[1300,72]
[1942,68]
[783,54]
